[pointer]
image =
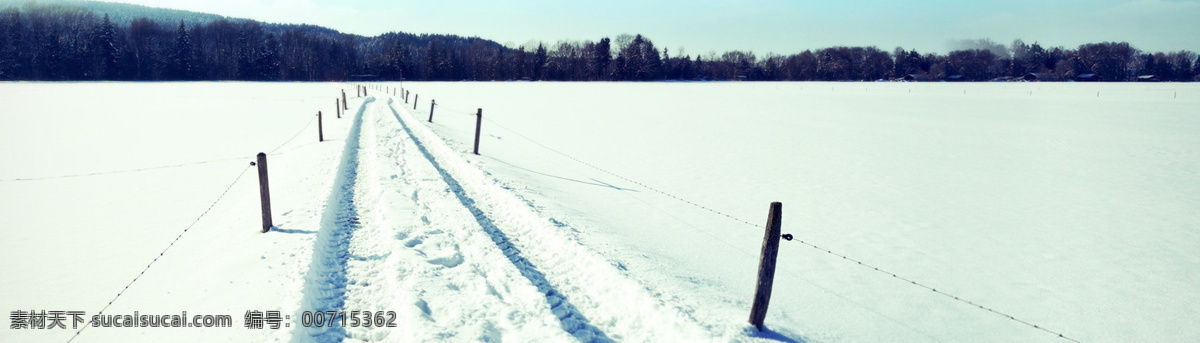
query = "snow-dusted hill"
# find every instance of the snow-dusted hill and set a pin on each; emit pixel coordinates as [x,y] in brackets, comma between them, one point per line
[602,211]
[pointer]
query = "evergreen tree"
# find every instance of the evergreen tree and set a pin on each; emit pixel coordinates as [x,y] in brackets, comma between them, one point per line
[433,64]
[50,60]
[651,68]
[620,71]
[603,57]
[633,64]
[521,64]
[267,59]
[685,68]
[1196,69]
[12,63]
[181,65]
[245,61]
[106,50]
[539,62]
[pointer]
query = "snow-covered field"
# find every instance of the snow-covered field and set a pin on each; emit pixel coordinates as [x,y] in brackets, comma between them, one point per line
[1069,206]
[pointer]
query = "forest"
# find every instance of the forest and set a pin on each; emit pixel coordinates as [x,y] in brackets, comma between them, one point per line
[70,41]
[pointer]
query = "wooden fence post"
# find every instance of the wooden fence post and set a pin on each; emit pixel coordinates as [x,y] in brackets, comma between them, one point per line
[345,106]
[337,107]
[431,105]
[264,192]
[478,124]
[320,128]
[406,97]
[415,97]
[766,266]
[364,91]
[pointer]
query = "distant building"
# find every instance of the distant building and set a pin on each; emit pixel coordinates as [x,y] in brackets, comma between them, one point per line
[1087,77]
[1148,78]
[917,78]
[1039,77]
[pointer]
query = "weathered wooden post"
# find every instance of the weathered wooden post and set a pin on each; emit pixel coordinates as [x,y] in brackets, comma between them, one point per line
[406,97]
[320,128]
[415,97]
[364,91]
[766,266]
[264,192]
[337,107]
[345,106]
[478,125]
[431,106]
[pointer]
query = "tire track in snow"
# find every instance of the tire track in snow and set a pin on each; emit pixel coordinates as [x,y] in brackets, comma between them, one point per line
[600,303]
[325,283]
[570,319]
[389,242]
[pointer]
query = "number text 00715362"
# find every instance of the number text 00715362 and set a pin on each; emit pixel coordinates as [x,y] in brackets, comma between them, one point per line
[348,319]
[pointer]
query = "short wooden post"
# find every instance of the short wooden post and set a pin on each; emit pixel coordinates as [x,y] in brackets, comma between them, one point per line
[337,107]
[264,192]
[432,104]
[320,128]
[478,125]
[766,266]
[406,97]
[415,97]
[364,91]
[345,106]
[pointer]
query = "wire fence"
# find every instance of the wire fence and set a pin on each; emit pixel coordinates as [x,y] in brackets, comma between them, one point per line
[164,251]
[451,109]
[123,171]
[787,237]
[185,230]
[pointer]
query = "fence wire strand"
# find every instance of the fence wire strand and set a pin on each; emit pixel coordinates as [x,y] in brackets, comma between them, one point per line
[922,285]
[451,109]
[123,171]
[169,166]
[164,251]
[306,125]
[643,185]
[805,243]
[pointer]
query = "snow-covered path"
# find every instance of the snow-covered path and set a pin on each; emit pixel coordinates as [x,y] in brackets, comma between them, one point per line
[411,227]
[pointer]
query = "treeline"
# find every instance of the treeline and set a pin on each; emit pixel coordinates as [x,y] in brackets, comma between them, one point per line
[67,42]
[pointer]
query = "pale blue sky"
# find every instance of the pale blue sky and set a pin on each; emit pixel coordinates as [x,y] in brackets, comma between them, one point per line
[760,26]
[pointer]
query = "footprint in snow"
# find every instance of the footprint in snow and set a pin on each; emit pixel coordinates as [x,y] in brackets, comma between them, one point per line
[413,242]
[424,306]
[449,261]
